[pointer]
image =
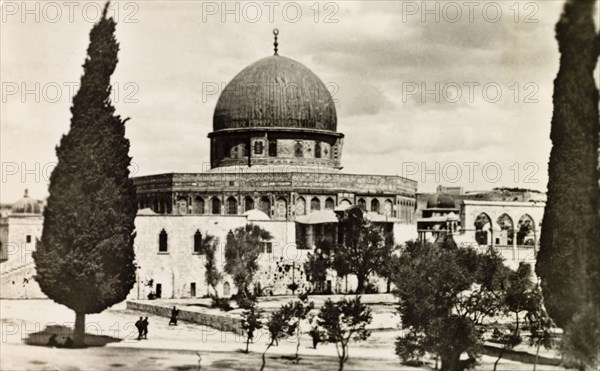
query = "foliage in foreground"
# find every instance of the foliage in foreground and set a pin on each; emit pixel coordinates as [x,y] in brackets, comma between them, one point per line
[445,295]
[342,322]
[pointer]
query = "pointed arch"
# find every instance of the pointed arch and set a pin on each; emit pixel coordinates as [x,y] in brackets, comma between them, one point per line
[198,205]
[375,205]
[315,204]
[507,229]
[362,204]
[248,203]
[525,231]
[264,205]
[300,206]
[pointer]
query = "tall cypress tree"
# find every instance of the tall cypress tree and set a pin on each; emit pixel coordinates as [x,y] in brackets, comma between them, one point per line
[570,242]
[85,259]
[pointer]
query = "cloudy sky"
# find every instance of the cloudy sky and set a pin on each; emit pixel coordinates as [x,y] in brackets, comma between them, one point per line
[452,93]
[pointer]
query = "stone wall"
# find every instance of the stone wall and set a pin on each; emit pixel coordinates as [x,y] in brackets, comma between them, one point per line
[218,320]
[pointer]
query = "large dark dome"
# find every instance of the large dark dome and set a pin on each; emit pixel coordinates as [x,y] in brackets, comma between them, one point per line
[275,92]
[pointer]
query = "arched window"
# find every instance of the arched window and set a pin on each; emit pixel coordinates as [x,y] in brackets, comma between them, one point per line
[281,208]
[231,206]
[198,205]
[315,204]
[248,203]
[388,208]
[264,205]
[317,150]
[182,207]
[375,205]
[329,204]
[362,204]
[300,206]
[507,228]
[216,205]
[162,241]
[526,231]
[198,242]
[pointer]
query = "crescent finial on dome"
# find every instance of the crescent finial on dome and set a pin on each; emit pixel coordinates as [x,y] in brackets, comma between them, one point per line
[275,44]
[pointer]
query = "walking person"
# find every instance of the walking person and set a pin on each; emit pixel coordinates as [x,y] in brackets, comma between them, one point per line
[145,328]
[139,325]
[174,315]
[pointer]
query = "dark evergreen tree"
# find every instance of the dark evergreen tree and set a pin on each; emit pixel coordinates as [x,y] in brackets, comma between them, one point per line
[85,259]
[568,262]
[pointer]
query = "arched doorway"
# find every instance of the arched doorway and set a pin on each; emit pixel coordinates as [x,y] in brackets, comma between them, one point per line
[329,204]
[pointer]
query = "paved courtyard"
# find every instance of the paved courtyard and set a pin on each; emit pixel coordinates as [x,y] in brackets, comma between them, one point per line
[178,348]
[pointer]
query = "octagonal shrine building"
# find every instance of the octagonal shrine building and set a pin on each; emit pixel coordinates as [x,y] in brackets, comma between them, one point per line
[276,160]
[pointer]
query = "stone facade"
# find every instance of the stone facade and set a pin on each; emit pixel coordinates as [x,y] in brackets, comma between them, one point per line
[18,236]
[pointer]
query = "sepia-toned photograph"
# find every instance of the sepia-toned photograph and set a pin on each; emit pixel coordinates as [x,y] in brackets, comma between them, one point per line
[321,185]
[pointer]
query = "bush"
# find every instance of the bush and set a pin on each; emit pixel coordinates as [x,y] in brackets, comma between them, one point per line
[221,303]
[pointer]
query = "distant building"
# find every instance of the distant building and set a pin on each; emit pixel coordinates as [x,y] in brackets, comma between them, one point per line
[20,228]
[508,220]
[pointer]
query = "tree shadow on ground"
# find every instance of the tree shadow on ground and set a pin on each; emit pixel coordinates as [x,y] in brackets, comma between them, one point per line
[62,337]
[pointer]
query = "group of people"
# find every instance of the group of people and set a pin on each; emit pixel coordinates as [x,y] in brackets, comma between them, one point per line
[142,327]
[142,324]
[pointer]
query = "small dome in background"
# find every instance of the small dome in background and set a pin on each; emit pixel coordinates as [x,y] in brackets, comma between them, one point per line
[27,205]
[440,200]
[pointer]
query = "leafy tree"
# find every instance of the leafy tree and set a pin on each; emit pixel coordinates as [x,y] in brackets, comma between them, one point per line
[540,327]
[318,263]
[242,250]
[251,321]
[520,297]
[211,270]
[363,250]
[280,325]
[301,308]
[85,259]
[343,321]
[445,295]
[568,262]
